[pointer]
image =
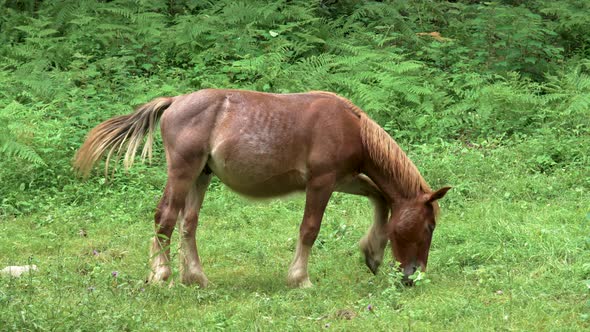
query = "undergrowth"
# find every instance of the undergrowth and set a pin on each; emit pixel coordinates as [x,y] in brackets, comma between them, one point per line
[491,98]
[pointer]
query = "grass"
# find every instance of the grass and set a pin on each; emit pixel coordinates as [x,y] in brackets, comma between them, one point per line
[511,252]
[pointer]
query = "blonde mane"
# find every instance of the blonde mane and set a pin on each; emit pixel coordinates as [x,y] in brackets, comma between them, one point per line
[386,153]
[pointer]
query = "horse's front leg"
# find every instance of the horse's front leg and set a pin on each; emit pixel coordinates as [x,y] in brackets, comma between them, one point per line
[375,240]
[317,195]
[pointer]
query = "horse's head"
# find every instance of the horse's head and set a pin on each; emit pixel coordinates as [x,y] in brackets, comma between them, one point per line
[410,230]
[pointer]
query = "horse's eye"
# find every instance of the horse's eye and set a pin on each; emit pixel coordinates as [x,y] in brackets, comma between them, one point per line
[431,228]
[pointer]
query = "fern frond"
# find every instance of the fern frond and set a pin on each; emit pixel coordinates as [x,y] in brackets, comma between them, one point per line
[116,10]
[11,148]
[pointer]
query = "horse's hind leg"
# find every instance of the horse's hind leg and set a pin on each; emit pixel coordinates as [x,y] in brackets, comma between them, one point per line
[375,240]
[160,247]
[191,270]
[181,177]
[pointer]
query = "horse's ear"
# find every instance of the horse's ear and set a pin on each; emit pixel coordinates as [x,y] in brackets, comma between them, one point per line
[438,194]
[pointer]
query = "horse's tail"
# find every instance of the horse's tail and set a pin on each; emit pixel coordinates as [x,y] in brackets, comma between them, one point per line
[126,130]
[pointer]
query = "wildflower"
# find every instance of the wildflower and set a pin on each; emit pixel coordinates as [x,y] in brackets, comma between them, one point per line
[370,307]
[115,274]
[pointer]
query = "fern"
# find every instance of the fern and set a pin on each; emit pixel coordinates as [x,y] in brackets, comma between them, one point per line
[15,136]
[569,94]
[498,70]
[11,148]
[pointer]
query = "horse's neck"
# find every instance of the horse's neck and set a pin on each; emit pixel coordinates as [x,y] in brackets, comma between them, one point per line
[393,188]
[387,164]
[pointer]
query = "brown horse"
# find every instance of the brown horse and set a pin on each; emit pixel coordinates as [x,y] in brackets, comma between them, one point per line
[266,145]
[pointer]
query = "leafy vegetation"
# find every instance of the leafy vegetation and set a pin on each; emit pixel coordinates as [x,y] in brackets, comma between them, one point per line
[492,98]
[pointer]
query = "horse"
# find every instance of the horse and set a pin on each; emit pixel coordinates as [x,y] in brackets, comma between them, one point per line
[264,145]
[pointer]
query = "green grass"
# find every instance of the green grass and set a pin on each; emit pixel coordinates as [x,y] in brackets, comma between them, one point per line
[499,111]
[511,252]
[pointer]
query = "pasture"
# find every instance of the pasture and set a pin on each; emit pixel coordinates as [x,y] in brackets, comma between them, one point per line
[509,254]
[491,98]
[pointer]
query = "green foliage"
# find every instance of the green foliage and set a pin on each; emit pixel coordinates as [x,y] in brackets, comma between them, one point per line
[15,136]
[491,97]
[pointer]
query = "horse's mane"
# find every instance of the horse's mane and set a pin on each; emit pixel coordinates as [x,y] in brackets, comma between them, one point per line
[389,156]
[386,153]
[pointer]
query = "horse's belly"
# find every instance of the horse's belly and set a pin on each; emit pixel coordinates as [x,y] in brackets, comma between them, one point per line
[260,172]
[255,184]
[278,185]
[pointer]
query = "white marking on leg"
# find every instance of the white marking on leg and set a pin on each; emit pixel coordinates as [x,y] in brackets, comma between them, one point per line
[374,243]
[191,270]
[298,276]
[160,263]
[375,240]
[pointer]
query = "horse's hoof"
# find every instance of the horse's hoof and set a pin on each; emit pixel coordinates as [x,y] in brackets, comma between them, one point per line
[195,278]
[305,283]
[161,274]
[372,264]
[297,279]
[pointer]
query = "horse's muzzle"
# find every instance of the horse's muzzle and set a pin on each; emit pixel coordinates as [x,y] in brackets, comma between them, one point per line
[408,271]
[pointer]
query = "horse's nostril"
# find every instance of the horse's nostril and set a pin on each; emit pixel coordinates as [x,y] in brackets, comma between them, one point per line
[407,281]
